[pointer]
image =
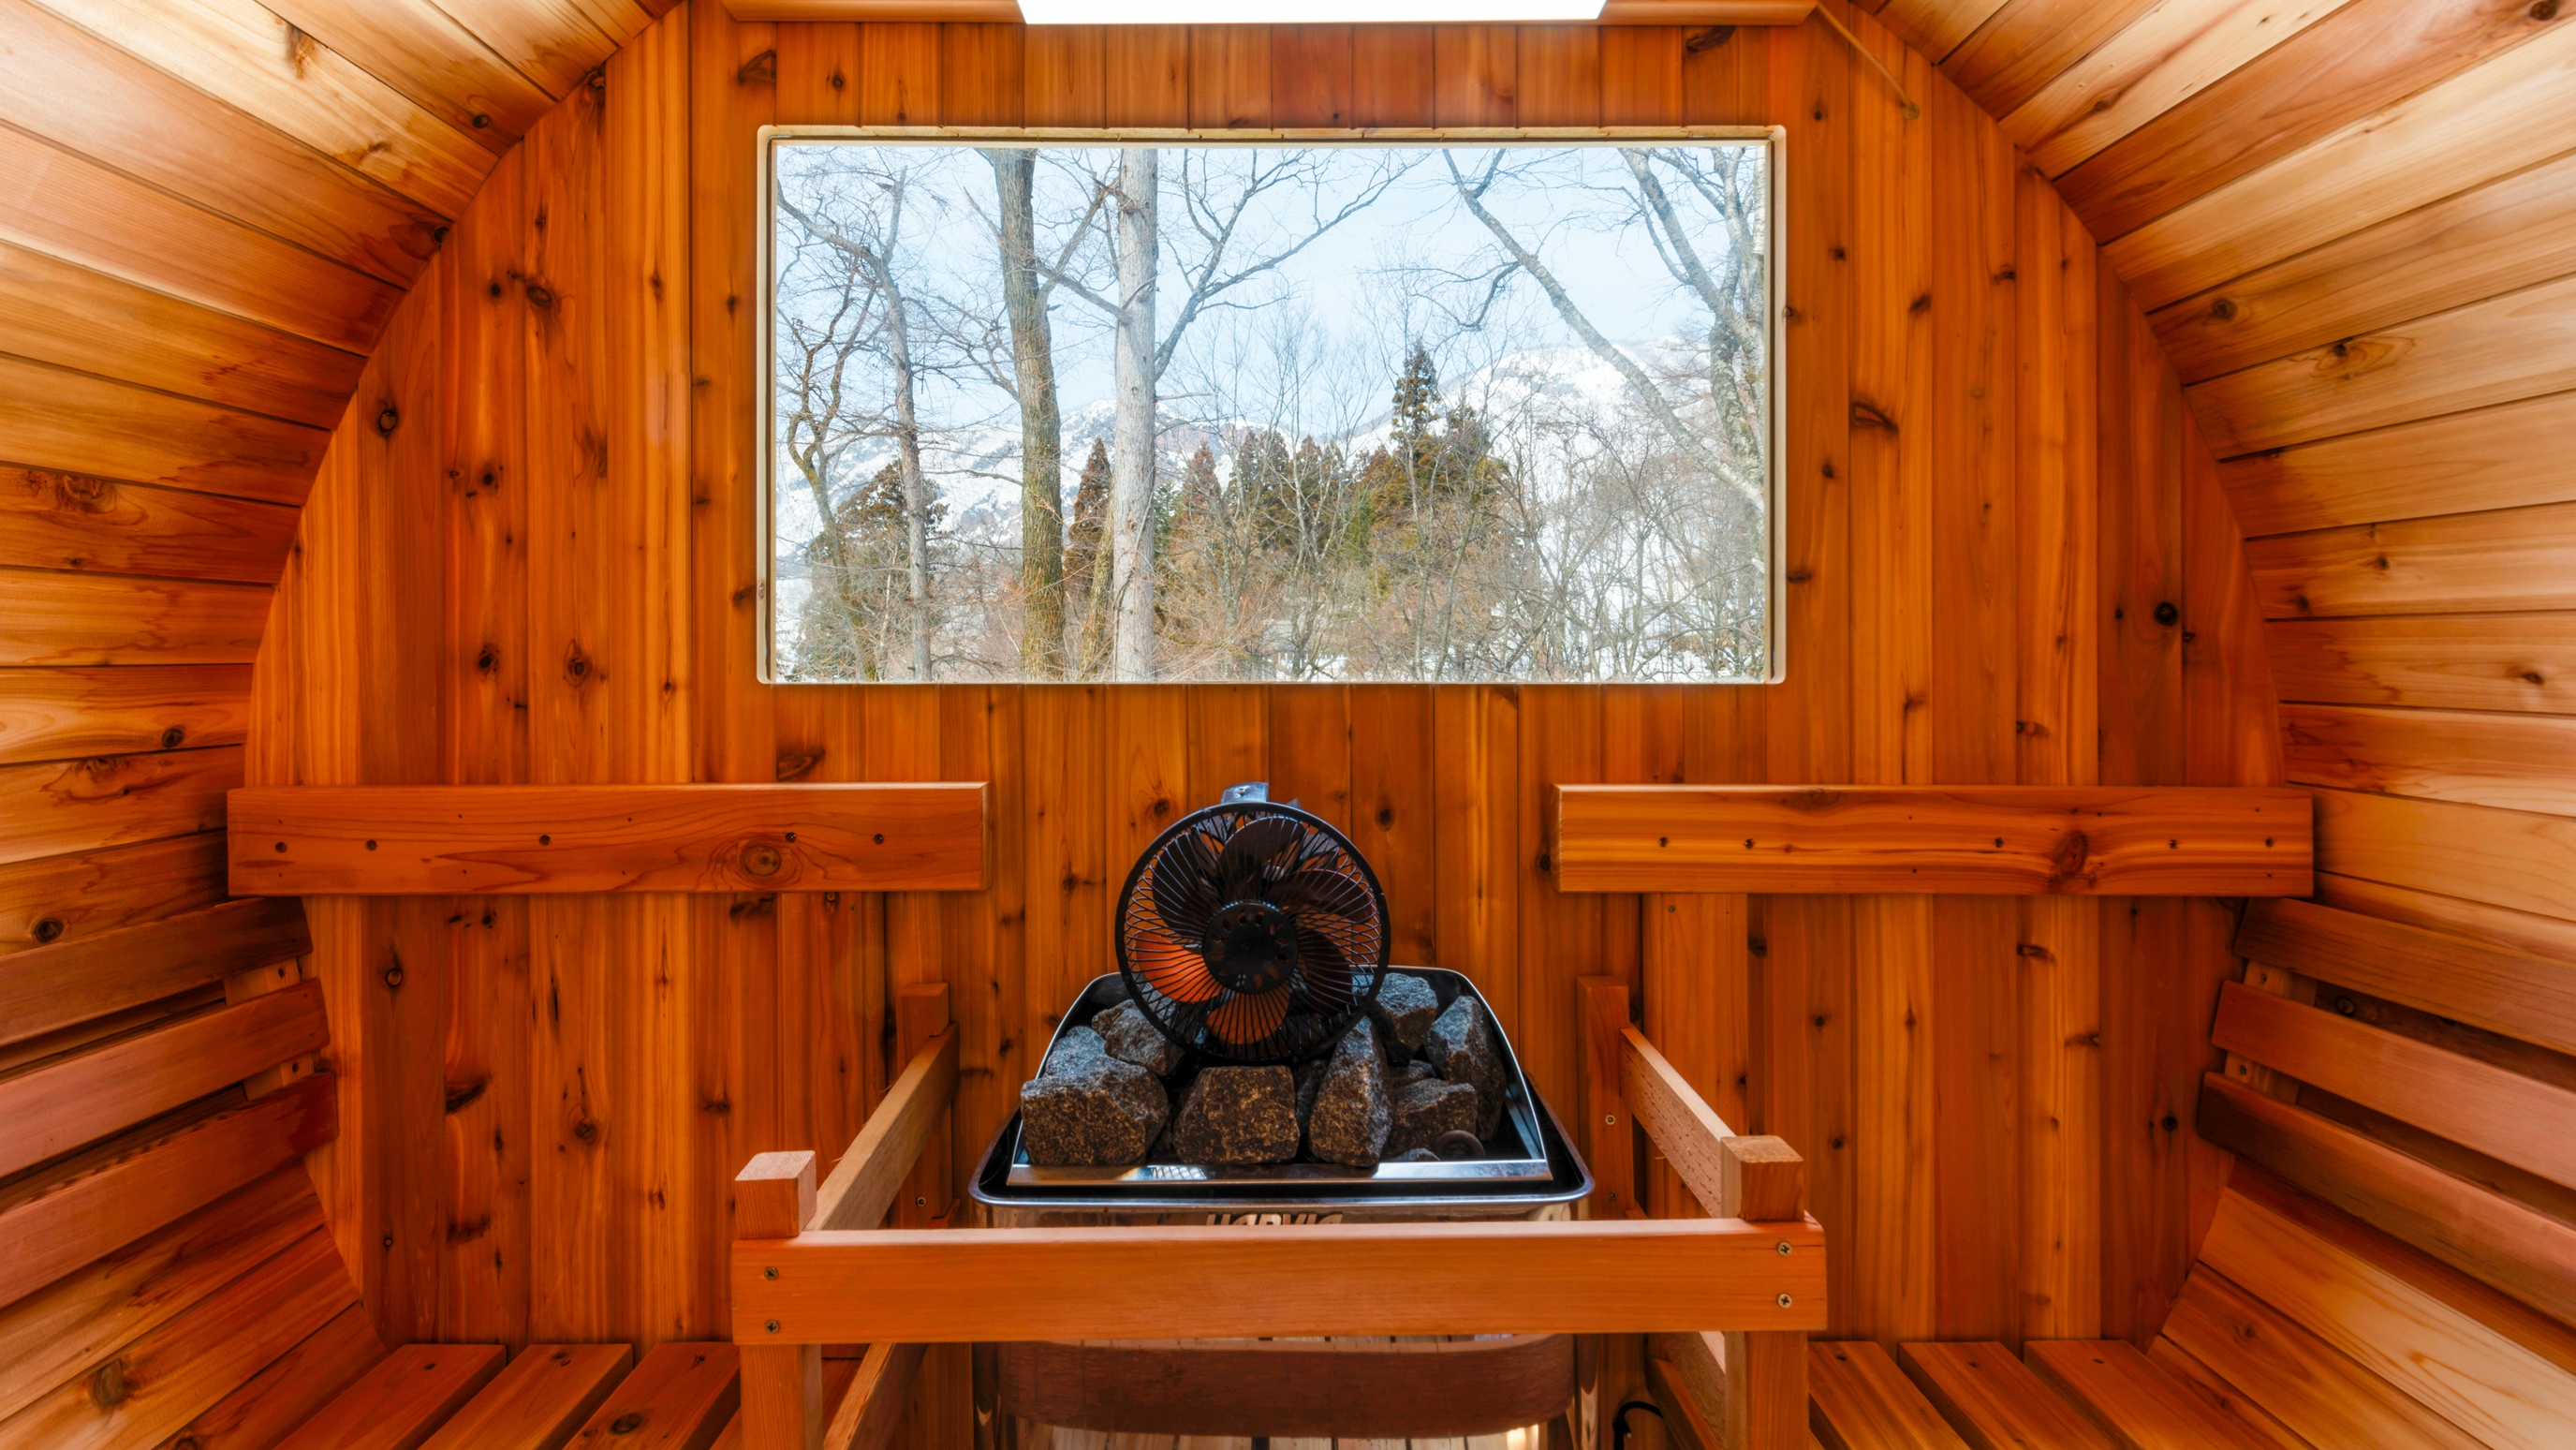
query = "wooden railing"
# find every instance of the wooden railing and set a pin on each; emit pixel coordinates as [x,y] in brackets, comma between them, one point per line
[1742,1289]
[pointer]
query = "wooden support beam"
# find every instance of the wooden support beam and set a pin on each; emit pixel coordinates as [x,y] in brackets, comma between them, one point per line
[865,1182]
[782,1380]
[1961,840]
[872,1408]
[2493,1238]
[1608,1134]
[103,1207]
[56,1108]
[1625,1276]
[1683,1127]
[582,839]
[1762,1181]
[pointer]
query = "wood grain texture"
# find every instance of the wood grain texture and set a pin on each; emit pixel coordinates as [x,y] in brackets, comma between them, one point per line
[862,1186]
[2003,840]
[2487,458]
[2489,1365]
[71,1222]
[1352,1387]
[294,1387]
[85,620]
[2503,990]
[2513,859]
[56,1108]
[871,1409]
[2466,662]
[1861,1400]
[2138,1405]
[1995,1400]
[570,840]
[57,714]
[1626,1276]
[2518,762]
[2291,1376]
[2490,1237]
[49,987]
[679,1398]
[539,1401]
[96,525]
[403,1400]
[2499,1113]
[2458,564]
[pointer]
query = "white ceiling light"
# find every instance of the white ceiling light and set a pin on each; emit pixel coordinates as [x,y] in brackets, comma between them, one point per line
[1301,12]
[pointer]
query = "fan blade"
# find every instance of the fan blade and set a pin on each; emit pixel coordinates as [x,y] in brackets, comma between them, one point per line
[1327,891]
[1321,960]
[1172,969]
[1249,851]
[1184,887]
[1242,1020]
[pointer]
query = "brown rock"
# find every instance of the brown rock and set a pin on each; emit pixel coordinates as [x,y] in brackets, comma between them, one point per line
[1424,1110]
[1237,1115]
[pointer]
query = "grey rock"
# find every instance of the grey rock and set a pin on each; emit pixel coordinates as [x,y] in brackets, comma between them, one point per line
[1463,1046]
[1353,1110]
[1416,1155]
[1424,1110]
[1237,1115]
[1089,1108]
[1418,1070]
[1404,1009]
[1131,1036]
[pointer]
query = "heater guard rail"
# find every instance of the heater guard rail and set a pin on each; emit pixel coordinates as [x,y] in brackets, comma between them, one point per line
[1736,1293]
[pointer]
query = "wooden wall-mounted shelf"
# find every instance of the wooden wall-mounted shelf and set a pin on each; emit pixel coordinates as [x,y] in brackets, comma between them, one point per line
[1956,840]
[329,840]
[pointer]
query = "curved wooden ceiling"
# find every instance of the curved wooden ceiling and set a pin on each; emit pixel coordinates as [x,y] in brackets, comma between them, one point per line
[2349,220]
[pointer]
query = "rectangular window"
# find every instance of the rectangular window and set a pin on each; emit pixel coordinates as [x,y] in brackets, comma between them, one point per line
[1207,409]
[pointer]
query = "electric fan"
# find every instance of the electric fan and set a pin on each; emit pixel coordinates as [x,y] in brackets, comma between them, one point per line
[1252,932]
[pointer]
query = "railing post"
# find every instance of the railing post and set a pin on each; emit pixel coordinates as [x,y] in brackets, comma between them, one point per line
[1766,1370]
[1607,1135]
[921,1014]
[782,1384]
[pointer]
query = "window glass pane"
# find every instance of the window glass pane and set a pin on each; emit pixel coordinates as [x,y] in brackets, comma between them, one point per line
[1225,412]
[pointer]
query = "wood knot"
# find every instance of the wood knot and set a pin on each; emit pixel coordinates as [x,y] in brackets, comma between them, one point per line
[1868,415]
[2222,310]
[48,929]
[387,420]
[761,859]
[107,1386]
[760,70]
[1702,41]
[171,737]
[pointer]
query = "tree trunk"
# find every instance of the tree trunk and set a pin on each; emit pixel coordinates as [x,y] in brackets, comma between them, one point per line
[916,492]
[1131,469]
[1041,423]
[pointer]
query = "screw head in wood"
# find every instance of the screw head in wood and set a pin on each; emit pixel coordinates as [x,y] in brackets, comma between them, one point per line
[770,1272]
[1784,1248]
[1610,1118]
[771,1326]
[1784,1301]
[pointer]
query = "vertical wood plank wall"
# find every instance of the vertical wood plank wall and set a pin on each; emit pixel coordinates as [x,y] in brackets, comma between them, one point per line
[530,556]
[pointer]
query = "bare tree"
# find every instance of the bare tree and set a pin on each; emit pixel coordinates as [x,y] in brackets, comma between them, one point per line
[1032,386]
[1719,464]
[870,245]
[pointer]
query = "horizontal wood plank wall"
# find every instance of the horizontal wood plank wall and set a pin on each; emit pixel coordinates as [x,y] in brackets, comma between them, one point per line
[1996,559]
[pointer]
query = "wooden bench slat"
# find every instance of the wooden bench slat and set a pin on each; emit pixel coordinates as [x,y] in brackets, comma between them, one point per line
[46,1335]
[680,1397]
[2498,1240]
[2505,1115]
[194,1360]
[99,1211]
[2137,1404]
[522,839]
[75,981]
[2521,996]
[2312,1388]
[862,1186]
[539,1400]
[1976,840]
[56,1108]
[402,1401]
[1859,1399]
[1994,1401]
[295,1386]
[2490,1365]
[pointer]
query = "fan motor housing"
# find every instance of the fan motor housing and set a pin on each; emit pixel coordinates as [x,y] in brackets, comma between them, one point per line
[1254,947]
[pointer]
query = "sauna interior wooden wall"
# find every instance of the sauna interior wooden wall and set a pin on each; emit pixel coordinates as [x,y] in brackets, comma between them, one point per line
[529,557]
[500,304]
